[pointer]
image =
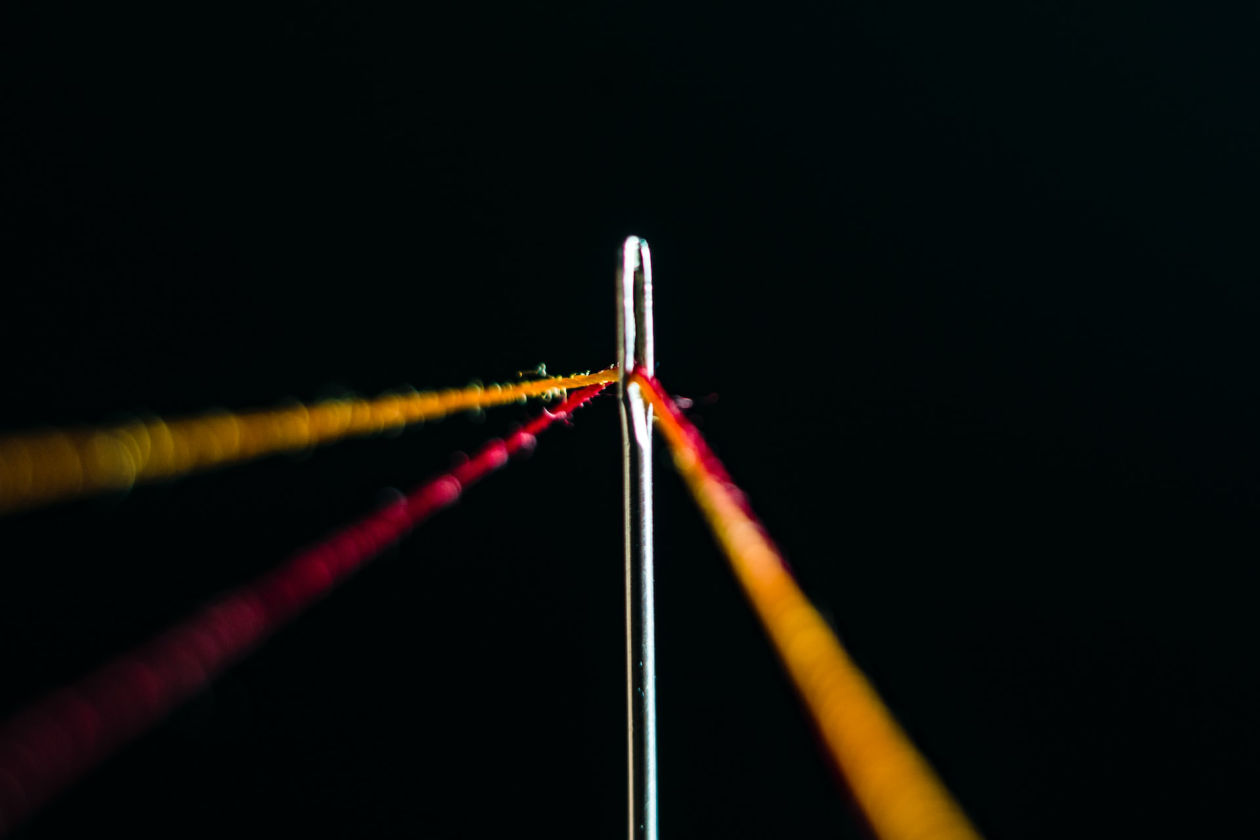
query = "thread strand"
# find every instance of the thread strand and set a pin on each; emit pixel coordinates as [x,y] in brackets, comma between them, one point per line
[46,747]
[54,465]
[899,794]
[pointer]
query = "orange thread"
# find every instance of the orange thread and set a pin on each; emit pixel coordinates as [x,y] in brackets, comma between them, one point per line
[898,792]
[41,467]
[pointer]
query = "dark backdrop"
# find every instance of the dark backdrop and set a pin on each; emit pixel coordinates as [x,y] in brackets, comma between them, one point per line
[966,298]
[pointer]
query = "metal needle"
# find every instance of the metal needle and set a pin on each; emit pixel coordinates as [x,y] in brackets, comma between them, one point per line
[635,352]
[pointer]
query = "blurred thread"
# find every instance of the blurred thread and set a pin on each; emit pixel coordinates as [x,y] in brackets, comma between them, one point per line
[41,467]
[895,787]
[50,744]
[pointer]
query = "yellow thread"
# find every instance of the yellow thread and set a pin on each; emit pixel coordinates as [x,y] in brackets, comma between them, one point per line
[893,784]
[41,467]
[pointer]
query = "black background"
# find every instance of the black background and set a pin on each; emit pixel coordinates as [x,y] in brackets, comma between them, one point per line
[966,298]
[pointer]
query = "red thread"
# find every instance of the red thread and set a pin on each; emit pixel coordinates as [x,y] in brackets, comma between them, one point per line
[708,460]
[50,744]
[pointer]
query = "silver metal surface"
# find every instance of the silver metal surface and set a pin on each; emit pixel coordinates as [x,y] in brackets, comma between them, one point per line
[635,352]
